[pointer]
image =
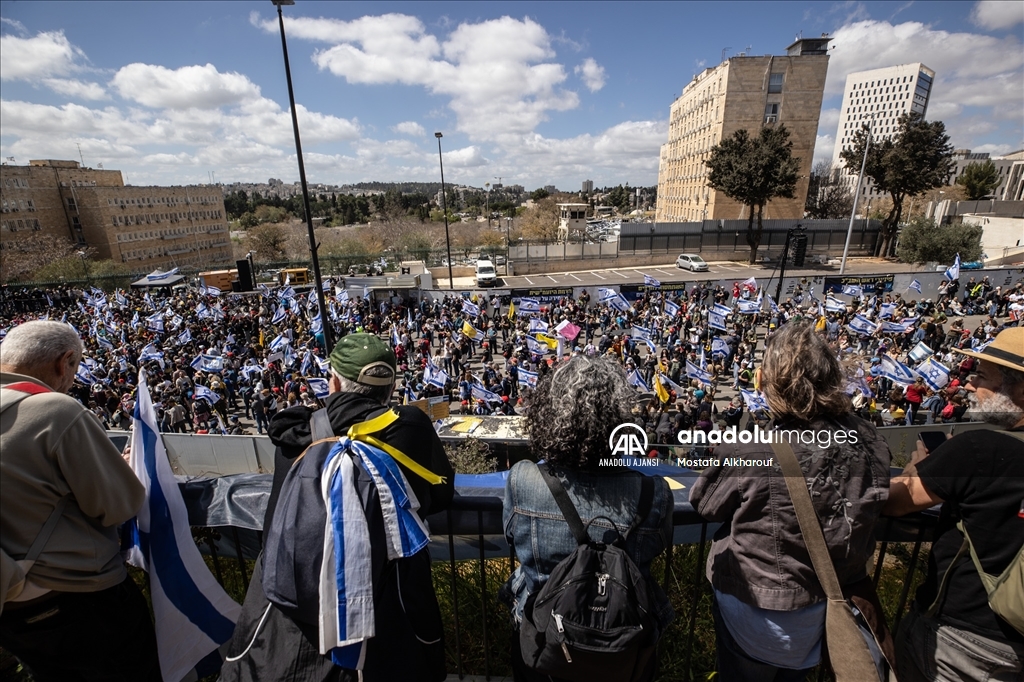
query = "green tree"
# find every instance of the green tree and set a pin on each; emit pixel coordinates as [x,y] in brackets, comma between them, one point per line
[539,193]
[827,197]
[916,159]
[979,180]
[753,171]
[922,241]
[268,241]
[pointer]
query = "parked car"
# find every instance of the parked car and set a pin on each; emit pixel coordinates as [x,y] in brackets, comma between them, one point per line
[499,260]
[692,262]
[485,275]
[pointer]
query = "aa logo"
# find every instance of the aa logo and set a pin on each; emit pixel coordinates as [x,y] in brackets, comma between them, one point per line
[628,440]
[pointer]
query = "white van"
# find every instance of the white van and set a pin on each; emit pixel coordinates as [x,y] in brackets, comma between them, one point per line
[485,275]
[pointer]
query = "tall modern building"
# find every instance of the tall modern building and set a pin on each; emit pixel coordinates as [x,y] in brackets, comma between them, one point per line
[588,186]
[144,227]
[743,92]
[878,98]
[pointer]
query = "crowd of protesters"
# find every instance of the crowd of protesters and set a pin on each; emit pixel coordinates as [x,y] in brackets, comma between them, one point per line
[214,359]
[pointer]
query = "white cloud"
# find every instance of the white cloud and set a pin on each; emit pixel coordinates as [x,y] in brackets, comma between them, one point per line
[15,24]
[498,74]
[190,87]
[410,128]
[997,14]
[467,157]
[46,54]
[73,88]
[824,147]
[592,74]
[829,120]
[994,149]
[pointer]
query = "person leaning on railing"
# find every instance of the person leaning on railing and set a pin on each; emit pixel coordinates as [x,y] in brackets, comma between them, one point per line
[569,419]
[951,632]
[769,607]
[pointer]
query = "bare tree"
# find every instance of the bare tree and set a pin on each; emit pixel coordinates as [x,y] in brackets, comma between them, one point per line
[827,197]
[23,256]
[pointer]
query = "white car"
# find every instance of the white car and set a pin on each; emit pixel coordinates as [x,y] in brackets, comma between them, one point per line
[692,262]
[485,275]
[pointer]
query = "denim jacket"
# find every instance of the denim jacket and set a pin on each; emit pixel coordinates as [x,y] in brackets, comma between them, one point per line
[758,554]
[536,529]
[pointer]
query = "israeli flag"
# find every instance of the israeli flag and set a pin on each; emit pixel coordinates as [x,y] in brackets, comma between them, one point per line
[896,371]
[367,292]
[719,347]
[249,370]
[536,346]
[934,373]
[537,325]
[279,315]
[470,309]
[671,309]
[634,379]
[212,363]
[651,282]
[717,315]
[176,321]
[155,323]
[202,392]
[320,388]
[104,343]
[480,393]
[695,372]
[641,332]
[150,352]
[434,375]
[953,271]
[316,325]
[754,401]
[920,352]
[286,293]
[527,378]
[307,363]
[210,290]
[163,275]
[119,297]
[834,305]
[184,337]
[862,325]
[279,342]
[324,365]
[529,305]
[194,615]
[342,295]
[888,310]
[854,290]
[671,385]
[772,305]
[84,375]
[894,327]
[748,307]
[916,284]
[149,301]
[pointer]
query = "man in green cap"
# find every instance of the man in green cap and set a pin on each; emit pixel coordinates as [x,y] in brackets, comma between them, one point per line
[409,643]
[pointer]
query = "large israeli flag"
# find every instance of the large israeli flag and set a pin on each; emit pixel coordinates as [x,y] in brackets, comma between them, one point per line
[888,310]
[320,387]
[755,401]
[695,372]
[671,308]
[896,371]
[634,379]
[717,315]
[934,373]
[470,308]
[434,375]
[862,325]
[719,347]
[953,271]
[194,616]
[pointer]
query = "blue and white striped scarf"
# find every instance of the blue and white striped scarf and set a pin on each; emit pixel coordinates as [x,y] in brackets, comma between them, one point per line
[346,579]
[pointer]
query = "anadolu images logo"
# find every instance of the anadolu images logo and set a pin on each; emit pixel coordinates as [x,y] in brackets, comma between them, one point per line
[625,443]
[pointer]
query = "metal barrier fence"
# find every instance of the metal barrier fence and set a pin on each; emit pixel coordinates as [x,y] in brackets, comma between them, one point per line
[476,521]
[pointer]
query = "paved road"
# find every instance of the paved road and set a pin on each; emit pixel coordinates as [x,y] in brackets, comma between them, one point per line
[667,273]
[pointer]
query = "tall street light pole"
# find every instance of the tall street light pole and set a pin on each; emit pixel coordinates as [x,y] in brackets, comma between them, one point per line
[856,196]
[444,207]
[317,282]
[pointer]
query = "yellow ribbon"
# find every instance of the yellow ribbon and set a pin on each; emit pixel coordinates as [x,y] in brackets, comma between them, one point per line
[361,432]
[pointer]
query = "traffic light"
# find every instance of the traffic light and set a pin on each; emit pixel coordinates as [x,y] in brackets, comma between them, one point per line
[799,249]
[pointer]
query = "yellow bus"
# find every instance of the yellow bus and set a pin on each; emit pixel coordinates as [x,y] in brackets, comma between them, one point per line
[294,276]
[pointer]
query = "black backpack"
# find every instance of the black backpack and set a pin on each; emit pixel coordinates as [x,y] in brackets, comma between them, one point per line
[593,619]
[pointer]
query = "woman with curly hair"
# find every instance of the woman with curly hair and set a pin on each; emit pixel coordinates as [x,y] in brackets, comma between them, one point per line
[569,419]
[769,607]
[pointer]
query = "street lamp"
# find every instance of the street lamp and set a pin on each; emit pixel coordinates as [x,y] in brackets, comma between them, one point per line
[856,195]
[85,265]
[444,207]
[321,302]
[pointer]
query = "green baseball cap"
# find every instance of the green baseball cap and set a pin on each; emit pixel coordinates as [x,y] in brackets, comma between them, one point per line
[354,354]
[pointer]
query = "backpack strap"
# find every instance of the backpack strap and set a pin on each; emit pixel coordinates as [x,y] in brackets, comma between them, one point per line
[320,425]
[572,517]
[643,506]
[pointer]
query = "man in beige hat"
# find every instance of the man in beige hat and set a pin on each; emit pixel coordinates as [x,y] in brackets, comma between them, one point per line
[978,476]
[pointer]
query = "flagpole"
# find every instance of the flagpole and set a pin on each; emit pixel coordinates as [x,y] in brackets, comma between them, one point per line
[856,196]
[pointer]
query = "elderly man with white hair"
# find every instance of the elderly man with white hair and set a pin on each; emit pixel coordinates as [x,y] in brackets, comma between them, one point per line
[960,628]
[70,611]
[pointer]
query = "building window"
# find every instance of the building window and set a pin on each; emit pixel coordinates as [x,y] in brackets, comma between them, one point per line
[775,82]
[771,112]
[71,204]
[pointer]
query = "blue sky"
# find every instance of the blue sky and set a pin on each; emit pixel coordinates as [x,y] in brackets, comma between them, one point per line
[536,93]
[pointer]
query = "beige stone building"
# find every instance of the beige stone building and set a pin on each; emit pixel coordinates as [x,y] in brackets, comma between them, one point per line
[743,92]
[145,227]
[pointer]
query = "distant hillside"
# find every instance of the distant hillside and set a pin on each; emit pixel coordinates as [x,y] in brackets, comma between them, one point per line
[428,188]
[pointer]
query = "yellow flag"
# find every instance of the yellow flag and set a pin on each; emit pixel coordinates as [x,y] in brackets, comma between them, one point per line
[261,337]
[659,389]
[468,329]
[547,340]
[511,310]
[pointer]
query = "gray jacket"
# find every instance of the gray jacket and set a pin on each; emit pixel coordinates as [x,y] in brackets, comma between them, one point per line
[758,554]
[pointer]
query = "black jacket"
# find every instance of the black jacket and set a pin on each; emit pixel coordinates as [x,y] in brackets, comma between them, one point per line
[413,434]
